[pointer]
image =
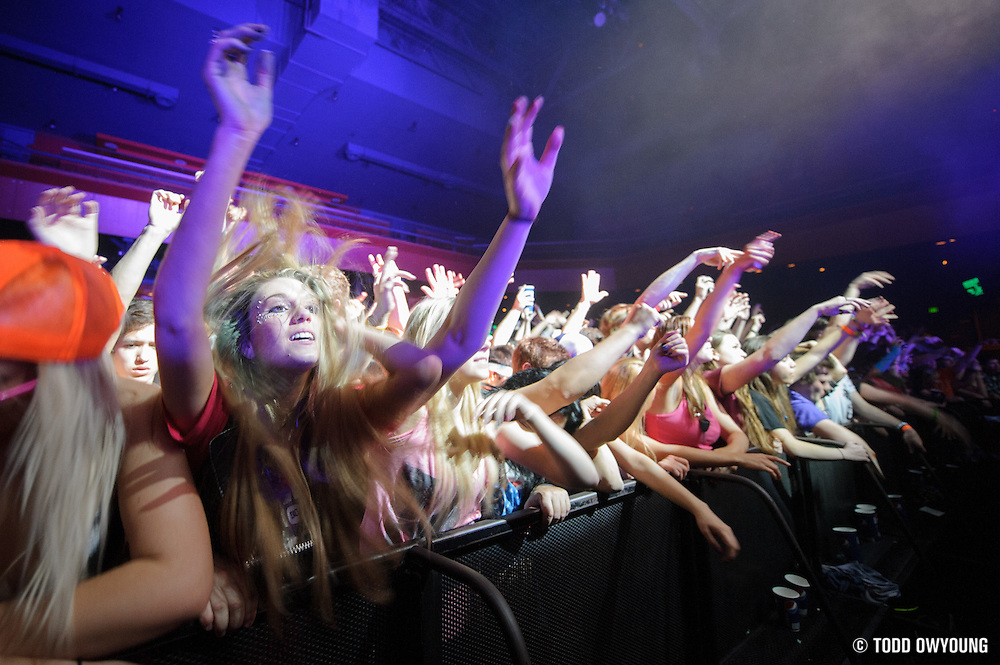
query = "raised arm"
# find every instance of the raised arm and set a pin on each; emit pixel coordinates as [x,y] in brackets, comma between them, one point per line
[702,287]
[579,374]
[244,108]
[505,329]
[669,354]
[755,256]
[527,181]
[529,437]
[165,210]
[781,343]
[590,293]
[661,287]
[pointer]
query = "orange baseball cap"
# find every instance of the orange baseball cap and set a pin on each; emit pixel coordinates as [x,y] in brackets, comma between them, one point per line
[53,307]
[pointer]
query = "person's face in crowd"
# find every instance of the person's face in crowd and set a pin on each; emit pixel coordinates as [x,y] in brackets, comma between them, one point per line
[14,374]
[783,370]
[476,368]
[730,352]
[705,354]
[284,325]
[993,366]
[134,356]
[820,386]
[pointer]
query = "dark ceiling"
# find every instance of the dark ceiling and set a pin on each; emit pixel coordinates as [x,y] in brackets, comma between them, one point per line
[839,123]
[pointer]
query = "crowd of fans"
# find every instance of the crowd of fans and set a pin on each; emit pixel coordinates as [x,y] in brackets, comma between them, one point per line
[260,411]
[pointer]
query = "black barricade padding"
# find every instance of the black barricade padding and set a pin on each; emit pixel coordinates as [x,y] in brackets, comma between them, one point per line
[741,589]
[627,578]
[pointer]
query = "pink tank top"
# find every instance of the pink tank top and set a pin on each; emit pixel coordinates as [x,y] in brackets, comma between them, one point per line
[679,428]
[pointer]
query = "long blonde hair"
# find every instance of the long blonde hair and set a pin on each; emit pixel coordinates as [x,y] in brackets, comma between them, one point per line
[621,374]
[460,445]
[59,475]
[327,430]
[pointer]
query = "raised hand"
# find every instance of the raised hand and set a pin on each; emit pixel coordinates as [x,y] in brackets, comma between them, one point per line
[703,286]
[758,252]
[876,312]
[643,316]
[718,257]
[59,220]
[526,180]
[840,305]
[441,282]
[387,274]
[242,106]
[165,210]
[673,299]
[591,288]
[879,278]
[671,353]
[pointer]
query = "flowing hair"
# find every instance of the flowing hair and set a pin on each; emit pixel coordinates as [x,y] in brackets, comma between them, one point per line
[321,447]
[621,374]
[59,475]
[460,445]
[775,391]
[753,427]
[692,384]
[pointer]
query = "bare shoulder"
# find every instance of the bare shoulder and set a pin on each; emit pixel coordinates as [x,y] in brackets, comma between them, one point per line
[142,411]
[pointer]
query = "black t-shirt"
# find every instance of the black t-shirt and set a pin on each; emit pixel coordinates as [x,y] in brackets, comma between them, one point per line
[765,411]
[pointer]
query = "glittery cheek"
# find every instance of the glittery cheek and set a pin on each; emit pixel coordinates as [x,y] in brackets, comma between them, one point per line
[264,316]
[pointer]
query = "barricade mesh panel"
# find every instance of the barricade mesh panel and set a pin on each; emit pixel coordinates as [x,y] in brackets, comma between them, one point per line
[598,588]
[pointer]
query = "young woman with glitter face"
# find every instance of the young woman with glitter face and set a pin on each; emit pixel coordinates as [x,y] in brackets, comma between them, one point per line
[270,402]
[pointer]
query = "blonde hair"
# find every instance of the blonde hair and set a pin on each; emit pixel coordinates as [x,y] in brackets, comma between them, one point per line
[59,475]
[692,384]
[621,374]
[327,429]
[460,445]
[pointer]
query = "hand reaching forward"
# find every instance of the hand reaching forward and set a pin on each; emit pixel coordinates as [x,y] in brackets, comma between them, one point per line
[526,180]
[876,312]
[59,221]
[758,252]
[718,257]
[879,278]
[673,299]
[242,106]
[643,316]
[840,305]
[165,210]
[671,353]
[762,462]
[591,288]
